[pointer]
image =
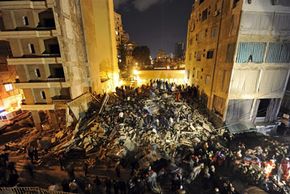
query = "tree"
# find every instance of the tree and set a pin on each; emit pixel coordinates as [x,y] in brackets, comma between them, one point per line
[142,55]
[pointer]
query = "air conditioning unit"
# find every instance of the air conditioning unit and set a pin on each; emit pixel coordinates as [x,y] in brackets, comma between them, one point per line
[275,2]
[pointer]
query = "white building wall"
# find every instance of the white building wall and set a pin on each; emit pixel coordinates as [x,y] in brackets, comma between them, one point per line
[251,81]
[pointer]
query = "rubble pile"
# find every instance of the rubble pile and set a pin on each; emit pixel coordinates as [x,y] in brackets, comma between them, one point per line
[157,122]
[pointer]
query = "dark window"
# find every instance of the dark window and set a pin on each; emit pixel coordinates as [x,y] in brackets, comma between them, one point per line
[209,54]
[25,20]
[204,15]
[263,107]
[201,1]
[235,2]
[43,96]
[37,72]
[31,48]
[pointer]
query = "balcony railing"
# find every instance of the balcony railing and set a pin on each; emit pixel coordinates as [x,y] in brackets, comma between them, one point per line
[48,80]
[61,98]
[38,28]
[44,55]
[35,190]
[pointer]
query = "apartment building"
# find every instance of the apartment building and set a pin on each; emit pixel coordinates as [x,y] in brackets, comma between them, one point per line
[61,50]
[121,36]
[285,108]
[238,54]
[10,97]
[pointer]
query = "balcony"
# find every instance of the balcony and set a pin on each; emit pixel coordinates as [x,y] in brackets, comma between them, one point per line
[42,84]
[42,106]
[49,79]
[8,4]
[61,98]
[10,34]
[32,60]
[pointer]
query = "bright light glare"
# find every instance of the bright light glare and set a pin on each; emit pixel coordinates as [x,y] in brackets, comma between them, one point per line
[8,87]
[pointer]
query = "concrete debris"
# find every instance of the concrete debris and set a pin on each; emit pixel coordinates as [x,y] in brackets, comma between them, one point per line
[155,122]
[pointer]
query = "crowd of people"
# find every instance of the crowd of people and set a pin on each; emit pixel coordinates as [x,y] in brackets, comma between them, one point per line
[156,133]
[8,173]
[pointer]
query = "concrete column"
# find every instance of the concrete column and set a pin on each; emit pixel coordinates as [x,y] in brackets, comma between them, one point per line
[53,119]
[36,119]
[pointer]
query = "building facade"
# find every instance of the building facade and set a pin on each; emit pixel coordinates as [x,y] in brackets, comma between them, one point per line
[121,36]
[238,55]
[285,108]
[10,97]
[61,50]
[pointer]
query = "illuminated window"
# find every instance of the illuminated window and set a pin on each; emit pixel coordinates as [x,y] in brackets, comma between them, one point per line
[43,96]
[31,48]
[25,20]
[8,87]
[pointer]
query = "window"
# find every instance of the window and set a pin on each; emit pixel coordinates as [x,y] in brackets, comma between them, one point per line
[37,72]
[278,53]
[201,1]
[198,56]
[31,48]
[25,20]
[8,87]
[43,96]
[235,2]
[209,54]
[214,32]
[251,52]
[205,33]
[204,15]
[207,79]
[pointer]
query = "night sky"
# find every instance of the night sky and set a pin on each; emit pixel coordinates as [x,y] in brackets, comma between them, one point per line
[159,24]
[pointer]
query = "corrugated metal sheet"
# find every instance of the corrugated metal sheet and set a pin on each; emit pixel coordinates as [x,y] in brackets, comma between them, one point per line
[258,52]
[285,53]
[244,82]
[273,82]
[281,22]
[273,54]
[239,110]
[278,53]
[246,49]
[244,52]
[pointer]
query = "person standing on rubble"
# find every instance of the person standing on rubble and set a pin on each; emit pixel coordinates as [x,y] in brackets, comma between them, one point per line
[108,184]
[30,169]
[85,168]
[30,152]
[35,153]
[118,170]
[71,171]
[61,161]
